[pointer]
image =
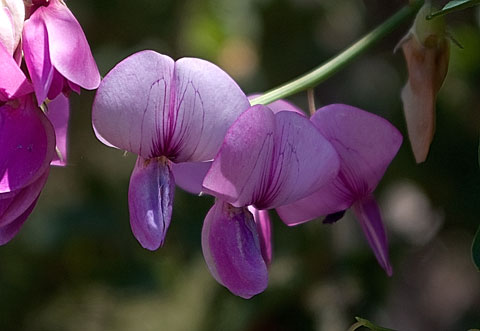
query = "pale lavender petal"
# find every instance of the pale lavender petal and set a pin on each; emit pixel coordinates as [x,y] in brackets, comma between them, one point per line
[331,198]
[231,249]
[13,206]
[280,105]
[28,145]
[368,215]
[366,144]
[37,56]
[69,50]
[264,230]
[13,83]
[150,201]
[132,104]
[239,173]
[304,161]
[269,160]
[58,114]
[9,231]
[189,175]
[207,102]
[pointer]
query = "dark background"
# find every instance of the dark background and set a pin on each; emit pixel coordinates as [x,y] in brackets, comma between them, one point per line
[76,266]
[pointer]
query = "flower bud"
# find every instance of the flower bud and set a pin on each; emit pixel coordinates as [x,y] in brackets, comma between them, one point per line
[426,50]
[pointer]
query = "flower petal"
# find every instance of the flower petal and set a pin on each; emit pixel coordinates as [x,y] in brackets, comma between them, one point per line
[330,199]
[366,144]
[28,145]
[189,175]
[132,103]
[58,114]
[37,55]
[232,250]
[264,230]
[13,83]
[368,215]
[69,50]
[12,206]
[7,38]
[150,201]
[280,105]
[207,102]
[239,172]
[268,160]
[9,231]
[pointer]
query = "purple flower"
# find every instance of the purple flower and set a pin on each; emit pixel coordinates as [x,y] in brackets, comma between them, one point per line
[166,112]
[267,159]
[56,51]
[27,141]
[366,144]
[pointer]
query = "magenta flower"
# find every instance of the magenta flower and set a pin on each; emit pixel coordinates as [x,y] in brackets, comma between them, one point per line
[27,141]
[366,144]
[267,160]
[166,112]
[56,51]
[13,83]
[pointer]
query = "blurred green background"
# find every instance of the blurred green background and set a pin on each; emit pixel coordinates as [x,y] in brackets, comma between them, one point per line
[76,266]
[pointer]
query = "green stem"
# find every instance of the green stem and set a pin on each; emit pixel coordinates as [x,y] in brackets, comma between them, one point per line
[336,63]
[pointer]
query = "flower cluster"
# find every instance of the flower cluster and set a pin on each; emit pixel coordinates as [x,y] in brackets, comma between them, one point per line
[34,111]
[190,124]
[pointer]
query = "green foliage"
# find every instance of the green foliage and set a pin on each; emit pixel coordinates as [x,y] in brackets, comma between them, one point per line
[454,6]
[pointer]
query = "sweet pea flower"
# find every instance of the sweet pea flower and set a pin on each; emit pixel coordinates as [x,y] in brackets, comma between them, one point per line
[267,160]
[13,83]
[56,51]
[166,112]
[366,144]
[27,141]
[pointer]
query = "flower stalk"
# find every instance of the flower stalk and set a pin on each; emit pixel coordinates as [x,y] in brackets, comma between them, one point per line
[339,61]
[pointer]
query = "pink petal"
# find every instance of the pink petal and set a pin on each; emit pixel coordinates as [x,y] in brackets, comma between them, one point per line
[132,103]
[189,175]
[269,160]
[368,216]
[264,230]
[232,250]
[207,102]
[366,144]
[9,231]
[58,114]
[150,201]
[13,83]
[12,206]
[330,199]
[69,50]
[28,145]
[37,55]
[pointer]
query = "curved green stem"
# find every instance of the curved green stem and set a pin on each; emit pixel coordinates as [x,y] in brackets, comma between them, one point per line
[336,63]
